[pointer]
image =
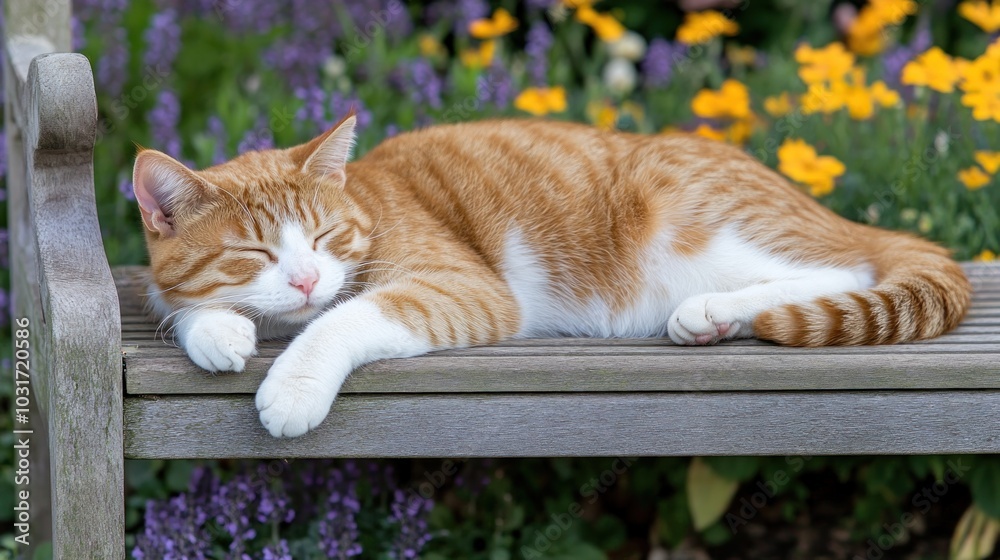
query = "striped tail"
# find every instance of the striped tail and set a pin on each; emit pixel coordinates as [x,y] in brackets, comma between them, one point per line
[921,293]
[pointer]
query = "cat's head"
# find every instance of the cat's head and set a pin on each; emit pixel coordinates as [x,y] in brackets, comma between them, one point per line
[271,233]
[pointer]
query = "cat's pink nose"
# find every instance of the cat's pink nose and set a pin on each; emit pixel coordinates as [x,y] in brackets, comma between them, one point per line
[305,283]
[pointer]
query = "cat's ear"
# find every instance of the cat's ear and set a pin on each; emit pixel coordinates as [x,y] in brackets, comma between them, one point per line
[163,188]
[327,154]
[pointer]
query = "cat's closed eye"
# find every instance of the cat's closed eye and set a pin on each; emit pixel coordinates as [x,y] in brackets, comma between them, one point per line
[260,252]
[320,237]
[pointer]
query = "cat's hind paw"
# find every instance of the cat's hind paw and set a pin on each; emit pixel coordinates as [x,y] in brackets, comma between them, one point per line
[704,319]
[219,340]
[290,401]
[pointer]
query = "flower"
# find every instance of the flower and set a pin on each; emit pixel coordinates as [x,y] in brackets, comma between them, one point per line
[541,100]
[732,100]
[606,27]
[495,86]
[481,57]
[828,64]
[657,67]
[821,98]
[990,161]
[973,178]
[163,120]
[499,25]
[702,27]
[431,47]
[866,34]
[883,95]
[933,69]
[630,46]
[537,45]
[799,162]
[707,131]
[619,76]
[778,105]
[602,114]
[979,12]
[980,80]
[985,256]
[859,99]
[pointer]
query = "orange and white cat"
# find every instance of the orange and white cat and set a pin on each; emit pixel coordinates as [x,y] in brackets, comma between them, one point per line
[472,233]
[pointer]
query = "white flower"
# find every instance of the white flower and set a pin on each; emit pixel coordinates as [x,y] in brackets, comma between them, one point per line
[631,46]
[334,66]
[620,76]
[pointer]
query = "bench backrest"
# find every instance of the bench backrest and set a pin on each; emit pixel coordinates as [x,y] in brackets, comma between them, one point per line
[62,291]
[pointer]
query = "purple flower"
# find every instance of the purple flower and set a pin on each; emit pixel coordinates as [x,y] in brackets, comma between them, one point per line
[258,138]
[125,187]
[279,552]
[658,65]
[163,40]
[418,78]
[409,514]
[163,120]
[217,130]
[338,528]
[496,86]
[3,153]
[112,68]
[539,41]
[4,248]
[460,12]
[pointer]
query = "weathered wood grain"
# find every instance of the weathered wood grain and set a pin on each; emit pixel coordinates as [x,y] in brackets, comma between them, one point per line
[614,373]
[77,365]
[832,423]
[965,358]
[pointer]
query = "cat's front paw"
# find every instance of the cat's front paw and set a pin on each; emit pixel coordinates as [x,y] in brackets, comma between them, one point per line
[295,396]
[704,319]
[218,340]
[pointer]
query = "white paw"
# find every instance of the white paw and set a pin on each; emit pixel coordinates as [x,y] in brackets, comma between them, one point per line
[295,396]
[218,340]
[705,319]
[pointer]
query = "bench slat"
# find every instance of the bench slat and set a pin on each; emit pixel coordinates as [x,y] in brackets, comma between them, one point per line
[964,359]
[602,424]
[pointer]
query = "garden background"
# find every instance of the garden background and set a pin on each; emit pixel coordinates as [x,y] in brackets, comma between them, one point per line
[887,111]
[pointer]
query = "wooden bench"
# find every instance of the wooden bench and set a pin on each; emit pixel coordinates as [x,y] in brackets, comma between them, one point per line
[107,388]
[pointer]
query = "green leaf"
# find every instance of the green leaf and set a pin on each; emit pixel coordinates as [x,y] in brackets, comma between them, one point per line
[734,468]
[984,482]
[708,493]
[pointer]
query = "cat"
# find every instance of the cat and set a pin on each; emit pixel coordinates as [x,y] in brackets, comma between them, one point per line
[472,233]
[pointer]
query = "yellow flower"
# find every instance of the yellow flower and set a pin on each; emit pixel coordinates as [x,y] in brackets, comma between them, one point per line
[985,104]
[578,3]
[933,69]
[860,99]
[702,27]
[980,80]
[606,27]
[799,162]
[739,132]
[985,256]
[866,34]
[778,105]
[602,114]
[820,98]
[710,133]
[741,56]
[883,95]
[892,12]
[829,64]
[542,101]
[732,100]
[973,178]
[990,161]
[430,47]
[481,57]
[499,25]
[986,16]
